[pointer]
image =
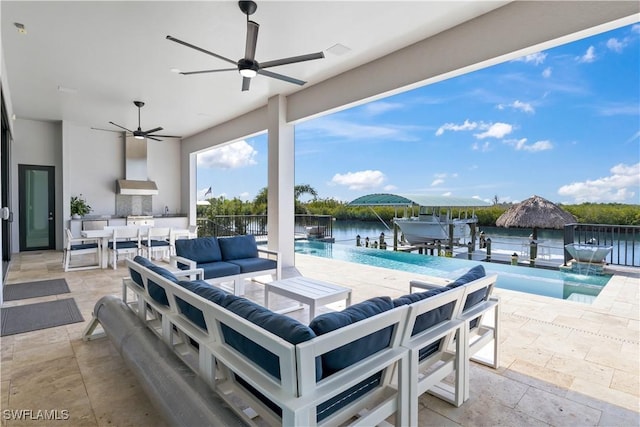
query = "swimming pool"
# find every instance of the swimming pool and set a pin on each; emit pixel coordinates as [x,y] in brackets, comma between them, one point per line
[538,281]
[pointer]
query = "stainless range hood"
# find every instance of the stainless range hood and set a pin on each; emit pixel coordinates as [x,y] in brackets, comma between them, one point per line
[136,182]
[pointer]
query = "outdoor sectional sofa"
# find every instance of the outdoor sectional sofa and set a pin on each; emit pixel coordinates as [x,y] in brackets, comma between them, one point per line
[370,361]
[226,259]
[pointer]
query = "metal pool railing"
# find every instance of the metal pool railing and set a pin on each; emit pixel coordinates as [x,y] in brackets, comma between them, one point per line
[316,226]
[625,240]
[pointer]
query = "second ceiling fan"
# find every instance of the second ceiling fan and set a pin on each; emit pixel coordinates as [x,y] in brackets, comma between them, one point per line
[248,66]
[141,134]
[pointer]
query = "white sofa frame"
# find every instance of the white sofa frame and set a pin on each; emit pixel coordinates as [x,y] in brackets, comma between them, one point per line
[298,393]
[472,340]
[237,279]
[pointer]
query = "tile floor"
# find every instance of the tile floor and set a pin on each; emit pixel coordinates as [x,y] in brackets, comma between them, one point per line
[562,363]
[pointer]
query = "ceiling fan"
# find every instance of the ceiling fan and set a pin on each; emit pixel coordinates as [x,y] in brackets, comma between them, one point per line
[248,66]
[142,134]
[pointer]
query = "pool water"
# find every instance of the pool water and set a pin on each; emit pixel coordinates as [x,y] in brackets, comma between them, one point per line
[550,283]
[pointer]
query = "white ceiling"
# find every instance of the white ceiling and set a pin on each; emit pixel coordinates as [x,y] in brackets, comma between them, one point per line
[115,52]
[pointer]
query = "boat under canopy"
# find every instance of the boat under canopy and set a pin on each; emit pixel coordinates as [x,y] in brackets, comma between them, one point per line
[435,220]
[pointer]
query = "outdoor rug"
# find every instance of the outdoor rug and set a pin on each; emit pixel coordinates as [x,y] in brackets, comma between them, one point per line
[41,315]
[41,288]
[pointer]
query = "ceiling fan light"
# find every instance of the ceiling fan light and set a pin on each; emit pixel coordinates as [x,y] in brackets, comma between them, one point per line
[138,136]
[248,72]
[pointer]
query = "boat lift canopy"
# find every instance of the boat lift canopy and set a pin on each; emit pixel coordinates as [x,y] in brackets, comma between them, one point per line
[408,200]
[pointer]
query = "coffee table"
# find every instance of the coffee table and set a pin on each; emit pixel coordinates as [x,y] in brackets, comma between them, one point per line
[307,291]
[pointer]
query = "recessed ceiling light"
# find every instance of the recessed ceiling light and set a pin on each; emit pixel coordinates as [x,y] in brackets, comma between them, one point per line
[338,49]
[67,89]
[20,27]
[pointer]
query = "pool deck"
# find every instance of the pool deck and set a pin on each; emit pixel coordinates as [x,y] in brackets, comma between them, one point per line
[563,363]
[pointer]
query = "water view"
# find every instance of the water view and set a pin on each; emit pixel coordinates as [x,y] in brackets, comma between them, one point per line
[502,239]
[551,283]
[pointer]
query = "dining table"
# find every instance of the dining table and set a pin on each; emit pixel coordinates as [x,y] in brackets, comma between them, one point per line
[107,233]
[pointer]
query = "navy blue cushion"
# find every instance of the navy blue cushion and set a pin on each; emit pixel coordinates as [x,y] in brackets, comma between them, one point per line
[205,290]
[430,318]
[238,247]
[474,298]
[219,269]
[135,276]
[249,265]
[125,244]
[418,296]
[471,275]
[283,326]
[156,243]
[351,353]
[200,250]
[156,291]
[80,246]
[348,396]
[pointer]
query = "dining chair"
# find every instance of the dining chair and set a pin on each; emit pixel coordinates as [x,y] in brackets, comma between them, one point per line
[158,240]
[80,246]
[125,241]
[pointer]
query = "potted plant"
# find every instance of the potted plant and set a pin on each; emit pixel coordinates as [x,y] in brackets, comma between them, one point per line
[79,207]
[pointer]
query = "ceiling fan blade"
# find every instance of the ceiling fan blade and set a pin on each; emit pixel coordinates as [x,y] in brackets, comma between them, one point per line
[158,129]
[173,39]
[155,139]
[246,81]
[107,130]
[292,60]
[165,136]
[252,40]
[281,77]
[121,127]
[186,73]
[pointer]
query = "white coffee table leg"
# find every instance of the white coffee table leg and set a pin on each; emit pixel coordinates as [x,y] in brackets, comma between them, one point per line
[312,310]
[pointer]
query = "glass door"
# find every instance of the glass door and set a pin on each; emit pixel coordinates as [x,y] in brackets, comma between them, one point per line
[36,186]
[5,177]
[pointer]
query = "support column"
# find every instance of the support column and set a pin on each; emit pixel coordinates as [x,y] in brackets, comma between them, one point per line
[281,181]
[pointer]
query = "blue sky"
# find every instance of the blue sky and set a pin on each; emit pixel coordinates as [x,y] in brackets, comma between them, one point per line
[563,124]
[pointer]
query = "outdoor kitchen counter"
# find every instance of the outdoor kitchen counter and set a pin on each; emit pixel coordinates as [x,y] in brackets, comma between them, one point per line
[101,221]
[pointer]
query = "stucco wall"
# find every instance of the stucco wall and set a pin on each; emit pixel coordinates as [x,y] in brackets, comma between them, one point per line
[88,162]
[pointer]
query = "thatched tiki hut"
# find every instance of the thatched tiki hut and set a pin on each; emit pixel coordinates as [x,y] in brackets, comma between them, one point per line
[535,212]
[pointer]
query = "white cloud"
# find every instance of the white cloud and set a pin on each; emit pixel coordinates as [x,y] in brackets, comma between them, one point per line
[619,187]
[589,55]
[615,45]
[523,106]
[362,180]
[537,58]
[521,145]
[616,109]
[546,73]
[231,156]
[389,188]
[375,108]
[518,105]
[467,125]
[634,137]
[244,196]
[486,146]
[339,128]
[495,130]
[437,182]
